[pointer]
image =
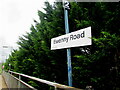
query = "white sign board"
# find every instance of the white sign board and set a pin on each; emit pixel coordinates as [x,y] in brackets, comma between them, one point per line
[74,39]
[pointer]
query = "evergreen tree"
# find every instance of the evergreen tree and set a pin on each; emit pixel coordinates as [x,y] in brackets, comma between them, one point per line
[97,65]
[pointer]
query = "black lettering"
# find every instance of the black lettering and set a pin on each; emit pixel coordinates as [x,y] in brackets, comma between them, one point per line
[78,36]
[62,40]
[71,37]
[83,34]
[74,37]
[67,39]
[54,42]
[59,41]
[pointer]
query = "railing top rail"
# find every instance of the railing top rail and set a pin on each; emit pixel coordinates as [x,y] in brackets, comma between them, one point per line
[32,88]
[47,82]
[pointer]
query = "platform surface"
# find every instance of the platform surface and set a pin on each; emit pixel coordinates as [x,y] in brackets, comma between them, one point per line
[2,83]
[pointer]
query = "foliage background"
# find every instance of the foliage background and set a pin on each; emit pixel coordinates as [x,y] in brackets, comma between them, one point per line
[97,65]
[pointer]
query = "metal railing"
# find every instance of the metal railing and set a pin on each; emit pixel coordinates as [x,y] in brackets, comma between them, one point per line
[14,82]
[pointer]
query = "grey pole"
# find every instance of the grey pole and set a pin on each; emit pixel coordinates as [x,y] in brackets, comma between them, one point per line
[66,7]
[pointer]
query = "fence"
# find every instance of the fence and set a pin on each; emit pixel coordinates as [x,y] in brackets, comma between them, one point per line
[14,82]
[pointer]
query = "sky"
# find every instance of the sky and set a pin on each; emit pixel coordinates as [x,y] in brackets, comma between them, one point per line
[16,18]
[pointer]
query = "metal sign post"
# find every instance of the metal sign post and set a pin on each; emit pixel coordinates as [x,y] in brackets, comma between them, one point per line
[74,39]
[66,7]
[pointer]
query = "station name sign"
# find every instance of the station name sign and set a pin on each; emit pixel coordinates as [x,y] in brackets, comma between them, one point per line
[74,39]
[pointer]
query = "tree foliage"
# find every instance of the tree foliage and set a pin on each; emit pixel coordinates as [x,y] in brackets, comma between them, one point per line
[97,65]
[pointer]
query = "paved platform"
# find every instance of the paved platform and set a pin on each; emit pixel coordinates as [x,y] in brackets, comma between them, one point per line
[2,83]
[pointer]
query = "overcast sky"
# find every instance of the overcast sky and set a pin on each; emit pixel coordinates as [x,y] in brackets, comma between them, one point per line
[16,17]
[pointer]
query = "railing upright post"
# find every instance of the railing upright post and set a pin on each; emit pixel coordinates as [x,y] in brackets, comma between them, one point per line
[9,84]
[55,88]
[19,82]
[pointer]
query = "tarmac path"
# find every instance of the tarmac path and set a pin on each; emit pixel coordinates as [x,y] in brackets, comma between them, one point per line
[2,83]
